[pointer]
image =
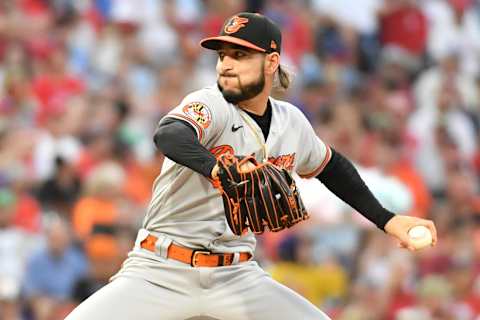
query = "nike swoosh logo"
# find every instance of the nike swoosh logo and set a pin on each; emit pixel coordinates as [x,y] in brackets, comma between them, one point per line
[235,128]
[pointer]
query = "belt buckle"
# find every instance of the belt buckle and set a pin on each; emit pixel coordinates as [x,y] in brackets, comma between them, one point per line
[195,254]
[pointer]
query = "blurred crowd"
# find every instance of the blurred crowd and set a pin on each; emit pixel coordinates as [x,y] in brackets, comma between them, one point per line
[392,84]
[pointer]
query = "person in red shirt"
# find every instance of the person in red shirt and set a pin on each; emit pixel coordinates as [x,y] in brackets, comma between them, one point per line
[403,24]
[55,86]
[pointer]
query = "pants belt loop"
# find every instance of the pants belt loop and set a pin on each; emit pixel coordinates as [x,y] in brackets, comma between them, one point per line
[141,235]
[236,258]
[161,246]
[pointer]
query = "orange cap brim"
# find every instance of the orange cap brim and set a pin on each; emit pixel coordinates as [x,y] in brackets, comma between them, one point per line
[213,43]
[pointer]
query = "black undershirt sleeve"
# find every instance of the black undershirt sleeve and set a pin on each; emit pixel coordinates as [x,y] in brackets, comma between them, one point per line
[178,141]
[341,178]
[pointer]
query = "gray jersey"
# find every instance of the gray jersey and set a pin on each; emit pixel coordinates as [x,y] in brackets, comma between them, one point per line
[186,207]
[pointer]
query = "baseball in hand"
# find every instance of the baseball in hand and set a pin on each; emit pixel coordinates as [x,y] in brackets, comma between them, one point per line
[420,237]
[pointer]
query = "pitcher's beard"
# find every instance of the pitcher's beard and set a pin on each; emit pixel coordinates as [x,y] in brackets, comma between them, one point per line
[246,92]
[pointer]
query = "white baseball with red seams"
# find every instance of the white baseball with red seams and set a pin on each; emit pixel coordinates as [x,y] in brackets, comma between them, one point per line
[420,236]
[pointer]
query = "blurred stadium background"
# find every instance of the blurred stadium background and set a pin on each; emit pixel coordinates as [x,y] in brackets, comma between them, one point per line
[392,84]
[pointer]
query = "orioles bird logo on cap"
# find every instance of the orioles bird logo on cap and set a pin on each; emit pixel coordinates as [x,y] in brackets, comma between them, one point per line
[235,24]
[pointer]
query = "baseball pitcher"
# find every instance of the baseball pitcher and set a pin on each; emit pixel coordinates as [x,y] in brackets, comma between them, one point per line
[231,150]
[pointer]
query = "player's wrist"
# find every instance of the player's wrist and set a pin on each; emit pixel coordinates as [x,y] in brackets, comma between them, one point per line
[214,173]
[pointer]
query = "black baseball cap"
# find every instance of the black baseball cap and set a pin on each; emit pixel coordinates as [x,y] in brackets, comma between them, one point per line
[251,30]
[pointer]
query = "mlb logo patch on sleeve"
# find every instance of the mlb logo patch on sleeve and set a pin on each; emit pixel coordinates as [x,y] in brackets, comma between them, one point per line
[199,113]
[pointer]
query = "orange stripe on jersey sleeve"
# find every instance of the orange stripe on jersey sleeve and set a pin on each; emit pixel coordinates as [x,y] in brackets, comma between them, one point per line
[195,125]
[320,168]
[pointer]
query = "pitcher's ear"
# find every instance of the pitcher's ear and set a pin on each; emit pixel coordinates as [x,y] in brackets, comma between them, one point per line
[272,62]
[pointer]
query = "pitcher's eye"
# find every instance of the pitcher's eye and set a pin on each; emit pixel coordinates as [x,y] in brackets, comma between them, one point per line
[239,54]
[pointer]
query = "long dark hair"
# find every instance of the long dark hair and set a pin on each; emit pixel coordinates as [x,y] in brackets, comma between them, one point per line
[284,78]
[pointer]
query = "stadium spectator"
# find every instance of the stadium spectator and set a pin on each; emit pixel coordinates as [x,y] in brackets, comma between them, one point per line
[52,272]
